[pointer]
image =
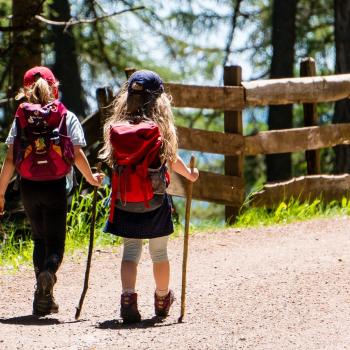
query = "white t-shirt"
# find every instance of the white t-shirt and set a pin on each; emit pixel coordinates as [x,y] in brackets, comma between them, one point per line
[74,130]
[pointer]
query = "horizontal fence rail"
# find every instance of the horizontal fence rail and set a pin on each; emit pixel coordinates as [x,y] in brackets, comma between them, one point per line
[210,187]
[264,142]
[305,188]
[262,92]
[297,90]
[297,139]
[210,141]
[212,97]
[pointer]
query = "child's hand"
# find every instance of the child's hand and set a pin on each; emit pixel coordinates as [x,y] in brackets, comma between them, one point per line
[194,175]
[96,179]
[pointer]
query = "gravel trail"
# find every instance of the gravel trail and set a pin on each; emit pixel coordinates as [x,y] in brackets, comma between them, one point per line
[278,287]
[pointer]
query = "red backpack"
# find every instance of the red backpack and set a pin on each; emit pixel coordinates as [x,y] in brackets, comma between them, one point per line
[42,149]
[139,179]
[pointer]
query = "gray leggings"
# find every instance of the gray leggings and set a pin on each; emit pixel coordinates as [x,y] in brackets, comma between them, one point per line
[157,249]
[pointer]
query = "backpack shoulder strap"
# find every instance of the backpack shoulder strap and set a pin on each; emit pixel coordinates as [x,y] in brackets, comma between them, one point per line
[58,113]
[20,118]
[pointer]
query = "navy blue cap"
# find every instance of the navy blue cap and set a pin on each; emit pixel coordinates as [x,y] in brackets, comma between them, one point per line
[145,81]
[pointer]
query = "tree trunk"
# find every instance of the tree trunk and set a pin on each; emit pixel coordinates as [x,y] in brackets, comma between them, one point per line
[281,117]
[66,65]
[26,44]
[342,47]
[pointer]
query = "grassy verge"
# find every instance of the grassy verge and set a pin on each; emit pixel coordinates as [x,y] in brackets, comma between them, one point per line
[292,211]
[15,251]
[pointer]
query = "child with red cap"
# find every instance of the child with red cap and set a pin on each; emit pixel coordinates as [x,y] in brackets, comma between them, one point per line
[44,142]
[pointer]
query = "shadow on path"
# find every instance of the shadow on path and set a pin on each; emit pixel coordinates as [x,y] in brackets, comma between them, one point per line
[147,323]
[32,320]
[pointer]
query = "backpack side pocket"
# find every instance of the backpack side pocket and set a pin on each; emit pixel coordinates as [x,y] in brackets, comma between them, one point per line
[158,179]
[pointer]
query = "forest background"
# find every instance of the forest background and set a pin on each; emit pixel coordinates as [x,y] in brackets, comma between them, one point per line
[89,43]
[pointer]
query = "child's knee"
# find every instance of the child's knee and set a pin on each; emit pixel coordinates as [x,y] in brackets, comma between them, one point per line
[132,250]
[159,256]
[158,248]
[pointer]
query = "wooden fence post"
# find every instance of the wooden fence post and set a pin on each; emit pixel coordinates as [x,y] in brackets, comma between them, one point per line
[308,69]
[233,124]
[129,71]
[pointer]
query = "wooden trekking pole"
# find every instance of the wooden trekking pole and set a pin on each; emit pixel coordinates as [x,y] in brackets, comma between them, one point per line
[186,236]
[91,246]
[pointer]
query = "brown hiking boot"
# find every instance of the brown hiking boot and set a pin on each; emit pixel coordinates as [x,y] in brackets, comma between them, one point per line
[162,304]
[44,302]
[128,308]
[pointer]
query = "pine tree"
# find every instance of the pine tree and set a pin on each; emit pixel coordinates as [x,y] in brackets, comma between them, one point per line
[342,48]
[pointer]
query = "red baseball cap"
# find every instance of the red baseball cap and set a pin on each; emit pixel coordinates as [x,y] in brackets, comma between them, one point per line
[30,75]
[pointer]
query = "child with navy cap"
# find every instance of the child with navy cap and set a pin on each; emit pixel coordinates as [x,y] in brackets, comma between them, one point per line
[142,99]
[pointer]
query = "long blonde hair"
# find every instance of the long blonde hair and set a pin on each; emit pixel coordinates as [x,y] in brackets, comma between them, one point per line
[160,113]
[40,92]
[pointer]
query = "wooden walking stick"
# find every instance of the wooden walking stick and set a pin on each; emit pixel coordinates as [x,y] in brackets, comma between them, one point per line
[91,246]
[186,236]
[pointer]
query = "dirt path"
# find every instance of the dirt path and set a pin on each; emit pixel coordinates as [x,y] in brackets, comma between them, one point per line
[281,287]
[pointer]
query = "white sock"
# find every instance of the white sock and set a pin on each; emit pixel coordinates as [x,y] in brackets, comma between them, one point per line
[162,292]
[129,291]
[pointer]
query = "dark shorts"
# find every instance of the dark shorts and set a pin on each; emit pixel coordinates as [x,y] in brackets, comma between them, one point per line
[156,223]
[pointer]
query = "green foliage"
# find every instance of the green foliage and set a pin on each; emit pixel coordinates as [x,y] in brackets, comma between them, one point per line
[15,251]
[79,220]
[315,33]
[291,211]
[5,6]
[259,20]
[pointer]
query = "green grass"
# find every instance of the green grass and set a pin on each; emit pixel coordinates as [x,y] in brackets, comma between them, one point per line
[15,252]
[292,211]
[79,221]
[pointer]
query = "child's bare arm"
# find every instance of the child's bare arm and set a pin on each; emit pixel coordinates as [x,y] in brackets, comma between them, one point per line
[83,165]
[6,174]
[181,168]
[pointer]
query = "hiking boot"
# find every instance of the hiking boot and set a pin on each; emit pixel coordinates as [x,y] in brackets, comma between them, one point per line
[128,308]
[44,302]
[162,304]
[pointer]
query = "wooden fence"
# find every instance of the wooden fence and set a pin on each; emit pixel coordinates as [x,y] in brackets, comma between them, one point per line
[229,189]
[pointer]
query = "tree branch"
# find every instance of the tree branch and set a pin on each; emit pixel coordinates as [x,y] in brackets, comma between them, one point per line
[23,27]
[232,31]
[73,21]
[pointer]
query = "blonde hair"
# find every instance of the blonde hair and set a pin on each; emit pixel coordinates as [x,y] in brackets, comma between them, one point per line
[40,92]
[160,113]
